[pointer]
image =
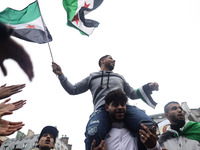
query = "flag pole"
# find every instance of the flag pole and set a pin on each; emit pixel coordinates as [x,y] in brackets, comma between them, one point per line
[45,32]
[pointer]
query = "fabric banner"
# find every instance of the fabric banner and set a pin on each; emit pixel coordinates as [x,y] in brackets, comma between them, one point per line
[146,97]
[27,24]
[76,11]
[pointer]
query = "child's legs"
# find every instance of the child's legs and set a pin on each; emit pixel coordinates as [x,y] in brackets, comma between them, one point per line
[133,116]
[98,127]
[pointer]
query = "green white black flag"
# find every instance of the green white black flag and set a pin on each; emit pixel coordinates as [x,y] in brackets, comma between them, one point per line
[27,23]
[76,11]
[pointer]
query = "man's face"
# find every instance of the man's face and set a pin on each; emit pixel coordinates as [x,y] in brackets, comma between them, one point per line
[175,114]
[109,63]
[46,142]
[116,111]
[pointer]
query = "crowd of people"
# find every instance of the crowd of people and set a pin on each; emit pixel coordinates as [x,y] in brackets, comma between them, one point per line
[180,135]
[114,123]
[100,83]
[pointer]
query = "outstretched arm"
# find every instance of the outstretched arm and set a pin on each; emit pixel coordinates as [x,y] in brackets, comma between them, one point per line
[8,127]
[6,91]
[6,109]
[72,89]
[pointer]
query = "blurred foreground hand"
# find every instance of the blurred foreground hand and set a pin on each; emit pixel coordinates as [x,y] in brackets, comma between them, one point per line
[9,49]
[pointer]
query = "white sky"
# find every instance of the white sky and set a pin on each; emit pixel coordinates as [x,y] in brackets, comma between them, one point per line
[153,40]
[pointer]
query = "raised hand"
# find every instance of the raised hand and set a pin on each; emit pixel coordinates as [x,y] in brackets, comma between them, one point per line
[8,127]
[154,86]
[6,91]
[148,138]
[6,109]
[56,69]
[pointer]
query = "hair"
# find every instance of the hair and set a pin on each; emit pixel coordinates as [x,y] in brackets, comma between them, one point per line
[103,57]
[166,106]
[116,95]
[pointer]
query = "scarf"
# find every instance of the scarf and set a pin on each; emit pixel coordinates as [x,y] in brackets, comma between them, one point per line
[191,131]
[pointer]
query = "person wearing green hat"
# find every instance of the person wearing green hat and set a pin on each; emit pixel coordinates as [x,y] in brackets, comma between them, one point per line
[47,138]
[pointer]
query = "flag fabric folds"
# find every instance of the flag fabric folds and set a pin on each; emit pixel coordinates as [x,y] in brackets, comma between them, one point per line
[27,23]
[145,95]
[76,11]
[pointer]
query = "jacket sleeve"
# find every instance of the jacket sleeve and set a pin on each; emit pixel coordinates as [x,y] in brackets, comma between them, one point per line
[75,89]
[130,92]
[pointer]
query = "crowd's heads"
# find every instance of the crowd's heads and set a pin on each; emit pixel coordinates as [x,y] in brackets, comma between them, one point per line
[103,57]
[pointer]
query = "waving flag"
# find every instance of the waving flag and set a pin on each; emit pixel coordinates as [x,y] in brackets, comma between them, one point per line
[76,11]
[145,95]
[27,23]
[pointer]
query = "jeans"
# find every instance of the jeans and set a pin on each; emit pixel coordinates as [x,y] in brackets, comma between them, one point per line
[99,124]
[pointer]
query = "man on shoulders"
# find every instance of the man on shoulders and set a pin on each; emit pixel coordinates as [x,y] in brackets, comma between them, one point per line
[100,84]
[119,137]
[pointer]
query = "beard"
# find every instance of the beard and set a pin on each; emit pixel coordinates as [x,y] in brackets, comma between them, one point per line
[179,123]
[109,66]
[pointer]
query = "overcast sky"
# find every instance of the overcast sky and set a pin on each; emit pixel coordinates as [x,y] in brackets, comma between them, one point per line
[151,41]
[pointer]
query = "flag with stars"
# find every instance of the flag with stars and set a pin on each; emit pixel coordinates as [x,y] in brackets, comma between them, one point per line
[76,11]
[27,24]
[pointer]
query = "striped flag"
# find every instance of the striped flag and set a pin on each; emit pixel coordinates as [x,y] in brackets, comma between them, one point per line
[145,95]
[76,11]
[27,23]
